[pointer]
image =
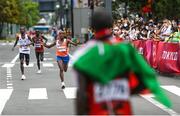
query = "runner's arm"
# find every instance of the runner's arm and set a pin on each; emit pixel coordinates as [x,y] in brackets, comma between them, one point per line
[71,42]
[51,45]
[32,43]
[17,38]
[44,38]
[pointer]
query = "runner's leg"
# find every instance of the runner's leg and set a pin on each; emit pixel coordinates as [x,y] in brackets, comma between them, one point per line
[38,59]
[61,72]
[27,56]
[21,57]
[65,63]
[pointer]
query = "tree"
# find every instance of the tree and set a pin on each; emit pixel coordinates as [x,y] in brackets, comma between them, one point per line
[9,12]
[29,14]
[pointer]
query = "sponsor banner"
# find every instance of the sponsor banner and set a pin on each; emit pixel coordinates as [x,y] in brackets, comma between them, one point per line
[154,54]
[139,45]
[167,57]
[148,51]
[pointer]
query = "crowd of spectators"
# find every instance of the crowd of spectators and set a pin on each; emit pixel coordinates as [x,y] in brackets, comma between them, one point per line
[138,29]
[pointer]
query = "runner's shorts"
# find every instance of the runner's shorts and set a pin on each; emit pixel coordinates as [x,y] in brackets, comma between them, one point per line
[65,59]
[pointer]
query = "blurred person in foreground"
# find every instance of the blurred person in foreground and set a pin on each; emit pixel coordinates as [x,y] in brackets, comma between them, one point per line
[109,72]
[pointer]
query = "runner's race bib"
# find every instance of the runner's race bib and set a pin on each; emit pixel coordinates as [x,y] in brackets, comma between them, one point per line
[25,48]
[62,49]
[114,90]
[37,45]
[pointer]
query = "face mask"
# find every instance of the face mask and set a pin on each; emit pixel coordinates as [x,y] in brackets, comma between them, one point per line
[125,25]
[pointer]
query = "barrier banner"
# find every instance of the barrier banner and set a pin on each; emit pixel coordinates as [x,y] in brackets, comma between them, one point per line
[139,45]
[154,54]
[148,51]
[167,58]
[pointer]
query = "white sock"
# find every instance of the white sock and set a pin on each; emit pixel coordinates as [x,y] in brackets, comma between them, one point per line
[63,83]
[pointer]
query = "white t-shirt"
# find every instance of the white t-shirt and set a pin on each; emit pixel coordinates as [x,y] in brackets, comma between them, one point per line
[22,43]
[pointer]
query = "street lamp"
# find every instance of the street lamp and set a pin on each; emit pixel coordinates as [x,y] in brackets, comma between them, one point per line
[57,6]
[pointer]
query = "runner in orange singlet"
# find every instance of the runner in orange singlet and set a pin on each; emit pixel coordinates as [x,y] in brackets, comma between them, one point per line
[62,54]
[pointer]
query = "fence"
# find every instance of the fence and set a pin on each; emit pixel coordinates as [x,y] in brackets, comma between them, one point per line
[162,56]
[9,30]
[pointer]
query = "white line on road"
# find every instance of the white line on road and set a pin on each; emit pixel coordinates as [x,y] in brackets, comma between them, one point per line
[156,103]
[4,97]
[48,65]
[9,87]
[8,65]
[46,53]
[37,93]
[12,63]
[173,89]
[70,92]
[15,58]
[48,59]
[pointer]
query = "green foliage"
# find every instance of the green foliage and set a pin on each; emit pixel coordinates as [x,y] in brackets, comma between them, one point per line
[24,12]
[167,9]
[161,8]
[9,11]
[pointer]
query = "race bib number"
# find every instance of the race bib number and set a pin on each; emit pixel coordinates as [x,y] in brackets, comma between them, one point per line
[62,49]
[37,45]
[115,90]
[25,48]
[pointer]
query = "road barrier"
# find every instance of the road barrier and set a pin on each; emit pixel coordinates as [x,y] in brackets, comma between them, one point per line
[162,56]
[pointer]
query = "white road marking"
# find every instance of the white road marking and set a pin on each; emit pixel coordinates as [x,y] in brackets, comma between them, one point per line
[37,93]
[3,44]
[9,87]
[173,89]
[48,65]
[46,53]
[70,92]
[161,106]
[9,76]
[48,59]
[15,58]
[30,65]
[12,63]
[9,84]
[4,97]
[8,65]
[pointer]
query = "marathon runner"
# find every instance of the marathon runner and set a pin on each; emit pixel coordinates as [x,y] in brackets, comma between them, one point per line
[62,55]
[23,41]
[39,48]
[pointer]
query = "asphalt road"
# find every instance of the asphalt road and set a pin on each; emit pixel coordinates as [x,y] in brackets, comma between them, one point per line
[40,94]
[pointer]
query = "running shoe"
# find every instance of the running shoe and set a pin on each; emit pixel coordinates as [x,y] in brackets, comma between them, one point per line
[39,71]
[23,77]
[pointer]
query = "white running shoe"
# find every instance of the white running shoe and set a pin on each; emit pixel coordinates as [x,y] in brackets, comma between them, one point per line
[63,85]
[23,77]
[39,71]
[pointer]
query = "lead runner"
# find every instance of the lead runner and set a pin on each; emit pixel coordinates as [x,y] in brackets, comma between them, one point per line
[62,54]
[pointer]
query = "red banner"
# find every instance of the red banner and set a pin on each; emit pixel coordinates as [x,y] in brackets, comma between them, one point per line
[154,54]
[167,57]
[139,45]
[148,51]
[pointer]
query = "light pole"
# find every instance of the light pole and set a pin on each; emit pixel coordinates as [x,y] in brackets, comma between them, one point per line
[72,19]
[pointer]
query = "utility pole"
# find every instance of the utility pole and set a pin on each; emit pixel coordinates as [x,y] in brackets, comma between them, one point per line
[72,19]
[108,6]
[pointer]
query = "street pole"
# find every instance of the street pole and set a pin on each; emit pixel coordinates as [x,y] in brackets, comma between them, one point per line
[72,19]
[108,6]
